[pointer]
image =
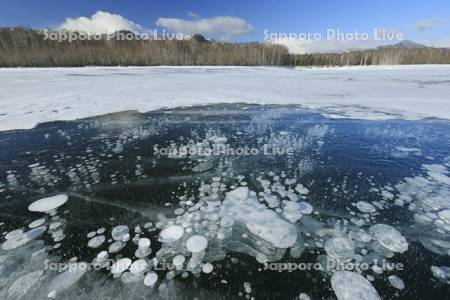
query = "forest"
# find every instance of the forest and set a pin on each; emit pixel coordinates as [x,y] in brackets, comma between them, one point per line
[25,47]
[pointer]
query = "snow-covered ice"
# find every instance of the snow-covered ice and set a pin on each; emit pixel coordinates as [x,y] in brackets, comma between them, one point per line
[31,96]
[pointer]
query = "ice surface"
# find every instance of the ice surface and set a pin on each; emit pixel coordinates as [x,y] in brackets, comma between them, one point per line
[58,96]
[48,204]
[351,286]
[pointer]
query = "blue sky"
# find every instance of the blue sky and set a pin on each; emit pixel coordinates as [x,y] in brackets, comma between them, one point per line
[427,21]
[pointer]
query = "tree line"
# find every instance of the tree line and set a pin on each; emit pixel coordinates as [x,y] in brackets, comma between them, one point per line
[24,47]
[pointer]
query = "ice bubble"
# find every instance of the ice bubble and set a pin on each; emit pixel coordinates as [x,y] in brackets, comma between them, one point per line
[65,280]
[340,248]
[48,204]
[171,234]
[144,249]
[140,266]
[22,285]
[442,273]
[14,234]
[102,256]
[196,243]
[96,241]
[389,237]
[365,207]
[121,266]
[36,223]
[118,233]
[178,261]
[207,268]
[52,295]
[91,234]
[144,243]
[351,286]
[396,282]
[226,221]
[247,287]
[19,239]
[150,279]
[444,215]
[129,277]
[116,247]
[262,222]
[305,208]
[302,190]
[36,232]
[304,296]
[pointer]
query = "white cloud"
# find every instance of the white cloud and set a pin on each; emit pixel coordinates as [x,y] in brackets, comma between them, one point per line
[301,46]
[217,27]
[192,14]
[442,43]
[427,24]
[100,22]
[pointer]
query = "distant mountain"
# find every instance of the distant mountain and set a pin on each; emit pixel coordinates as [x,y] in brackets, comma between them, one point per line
[406,44]
[197,37]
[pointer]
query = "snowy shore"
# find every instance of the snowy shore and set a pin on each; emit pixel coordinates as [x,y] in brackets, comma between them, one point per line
[32,96]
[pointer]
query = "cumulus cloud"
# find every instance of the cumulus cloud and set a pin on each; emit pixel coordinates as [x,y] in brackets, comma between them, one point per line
[426,24]
[217,27]
[100,22]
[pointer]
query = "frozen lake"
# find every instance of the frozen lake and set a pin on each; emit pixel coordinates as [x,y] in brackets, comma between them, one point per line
[225,201]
